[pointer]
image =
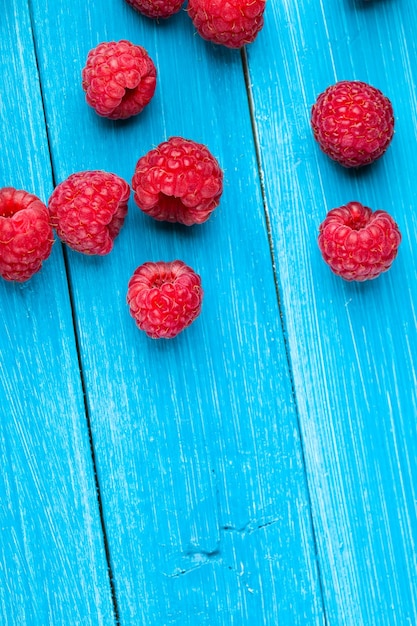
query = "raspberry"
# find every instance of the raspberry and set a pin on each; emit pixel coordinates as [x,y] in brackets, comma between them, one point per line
[353,123]
[88,210]
[358,244]
[164,298]
[156,8]
[119,79]
[233,23]
[178,181]
[26,235]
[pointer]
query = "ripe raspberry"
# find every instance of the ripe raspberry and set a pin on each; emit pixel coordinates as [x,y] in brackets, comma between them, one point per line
[178,181]
[26,235]
[88,210]
[164,298]
[156,8]
[358,244]
[353,123]
[232,24]
[119,79]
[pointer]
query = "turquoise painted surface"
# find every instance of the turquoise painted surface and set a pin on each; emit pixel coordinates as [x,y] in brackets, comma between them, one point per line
[52,560]
[352,347]
[260,468]
[196,440]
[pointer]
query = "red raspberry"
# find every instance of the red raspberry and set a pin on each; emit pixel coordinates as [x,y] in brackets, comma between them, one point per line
[353,123]
[178,181]
[358,244]
[26,235]
[119,79]
[156,8]
[88,210]
[164,298]
[233,23]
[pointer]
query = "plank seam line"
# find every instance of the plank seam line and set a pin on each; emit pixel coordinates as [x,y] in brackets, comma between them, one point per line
[251,105]
[78,351]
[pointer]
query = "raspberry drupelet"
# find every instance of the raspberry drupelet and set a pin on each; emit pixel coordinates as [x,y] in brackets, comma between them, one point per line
[26,236]
[178,181]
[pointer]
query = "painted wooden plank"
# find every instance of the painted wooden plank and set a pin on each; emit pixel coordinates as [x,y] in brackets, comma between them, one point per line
[196,439]
[352,347]
[53,567]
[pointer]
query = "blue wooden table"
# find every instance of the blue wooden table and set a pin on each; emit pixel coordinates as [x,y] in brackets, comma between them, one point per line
[261,468]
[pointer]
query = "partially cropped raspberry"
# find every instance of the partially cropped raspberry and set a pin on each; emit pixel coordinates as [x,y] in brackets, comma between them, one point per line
[357,243]
[119,79]
[26,235]
[178,181]
[156,8]
[353,123]
[164,298]
[234,23]
[88,210]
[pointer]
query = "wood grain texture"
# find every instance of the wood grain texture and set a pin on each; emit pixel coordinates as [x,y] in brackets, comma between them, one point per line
[52,562]
[352,346]
[196,439]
